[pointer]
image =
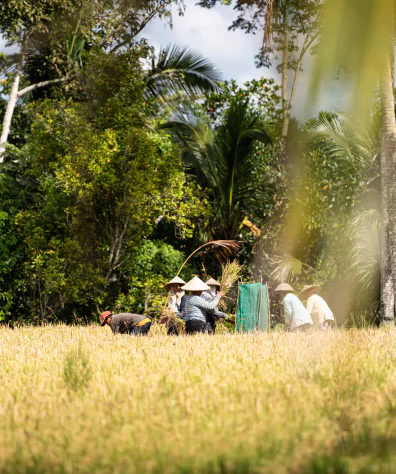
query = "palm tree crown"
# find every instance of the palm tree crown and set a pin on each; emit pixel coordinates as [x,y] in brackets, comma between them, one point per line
[222,159]
[179,68]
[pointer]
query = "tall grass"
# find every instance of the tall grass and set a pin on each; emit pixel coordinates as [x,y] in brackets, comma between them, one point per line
[77,371]
[265,403]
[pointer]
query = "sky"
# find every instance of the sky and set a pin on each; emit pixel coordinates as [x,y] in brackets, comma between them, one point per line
[233,52]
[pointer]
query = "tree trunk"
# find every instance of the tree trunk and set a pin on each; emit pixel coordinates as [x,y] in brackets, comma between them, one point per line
[388,196]
[15,94]
[5,131]
[309,39]
[285,68]
[40,85]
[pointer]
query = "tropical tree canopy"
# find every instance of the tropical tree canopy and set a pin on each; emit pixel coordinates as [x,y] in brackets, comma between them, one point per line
[178,69]
[223,159]
[121,160]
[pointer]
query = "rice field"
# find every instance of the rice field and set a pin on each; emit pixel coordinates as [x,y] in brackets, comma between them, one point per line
[80,400]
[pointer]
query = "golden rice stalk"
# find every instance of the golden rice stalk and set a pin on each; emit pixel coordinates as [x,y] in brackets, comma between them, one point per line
[223,247]
[167,316]
[231,271]
[170,318]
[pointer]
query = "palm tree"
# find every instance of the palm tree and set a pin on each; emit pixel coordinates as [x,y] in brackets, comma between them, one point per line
[339,137]
[178,68]
[349,257]
[363,43]
[223,160]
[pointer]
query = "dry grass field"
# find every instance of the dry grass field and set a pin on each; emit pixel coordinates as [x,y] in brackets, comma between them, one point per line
[79,400]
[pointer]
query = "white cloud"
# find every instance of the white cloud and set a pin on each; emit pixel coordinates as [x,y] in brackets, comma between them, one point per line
[232,52]
[5,49]
[206,30]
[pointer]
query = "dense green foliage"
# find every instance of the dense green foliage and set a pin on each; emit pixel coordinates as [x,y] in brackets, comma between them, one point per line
[113,177]
[224,161]
[78,234]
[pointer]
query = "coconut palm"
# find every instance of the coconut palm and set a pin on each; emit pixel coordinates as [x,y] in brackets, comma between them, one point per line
[223,160]
[340,138]
[350,254]
[364,44]
[178,68]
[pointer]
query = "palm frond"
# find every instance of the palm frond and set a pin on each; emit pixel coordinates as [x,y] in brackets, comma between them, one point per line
[360,256]
[222,159]
[229,246]
[196,142]
[180,68]
[328,135]
[235,141]
[339,137]
[287,267]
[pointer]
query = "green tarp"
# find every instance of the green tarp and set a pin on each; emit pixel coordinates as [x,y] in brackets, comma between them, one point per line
[252,310]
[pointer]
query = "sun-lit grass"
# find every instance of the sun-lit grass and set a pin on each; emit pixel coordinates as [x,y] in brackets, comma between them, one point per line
[77,399]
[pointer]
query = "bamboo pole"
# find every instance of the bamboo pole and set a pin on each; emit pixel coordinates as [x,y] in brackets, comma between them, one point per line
[259,311]
[236,306]
[269,308]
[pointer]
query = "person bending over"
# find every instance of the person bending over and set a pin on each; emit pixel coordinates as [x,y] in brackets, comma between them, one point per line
[321,314]
[126,323]
[297,317]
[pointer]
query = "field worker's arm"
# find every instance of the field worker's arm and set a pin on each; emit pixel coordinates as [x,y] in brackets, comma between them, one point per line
[309,305]
[217,314]
[201,303]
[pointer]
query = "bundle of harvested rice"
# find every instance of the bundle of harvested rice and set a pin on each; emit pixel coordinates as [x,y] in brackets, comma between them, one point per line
[231,271]
[169,318]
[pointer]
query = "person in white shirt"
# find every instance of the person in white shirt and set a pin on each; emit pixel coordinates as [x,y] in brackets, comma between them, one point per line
[297,317]
[321,314]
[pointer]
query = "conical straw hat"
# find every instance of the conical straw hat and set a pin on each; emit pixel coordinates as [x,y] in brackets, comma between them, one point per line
[213,282]
[196,284]
[283,287]
[309,287]
[174,281]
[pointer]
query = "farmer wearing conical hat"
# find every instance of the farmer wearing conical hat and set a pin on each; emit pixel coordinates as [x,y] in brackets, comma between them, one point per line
[176,302]
[212,314]
[177,297]
[196,306]
[321,314]
[297,317]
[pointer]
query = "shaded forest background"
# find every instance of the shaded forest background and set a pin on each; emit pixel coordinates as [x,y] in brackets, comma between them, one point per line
[120,161]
